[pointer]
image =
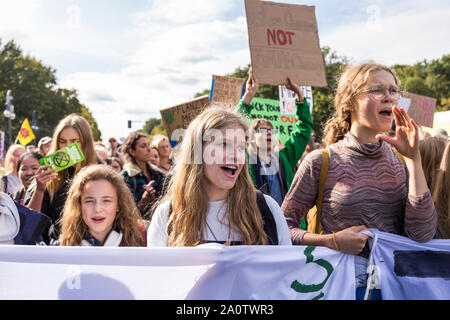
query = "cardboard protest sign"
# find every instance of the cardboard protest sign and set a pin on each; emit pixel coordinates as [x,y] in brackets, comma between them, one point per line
[179,116]
[284,41]
[287,99]
[227,90]
[64,158]
[421,108]
[270,109]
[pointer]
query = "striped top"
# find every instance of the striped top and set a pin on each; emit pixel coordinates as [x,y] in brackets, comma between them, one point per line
[366,184]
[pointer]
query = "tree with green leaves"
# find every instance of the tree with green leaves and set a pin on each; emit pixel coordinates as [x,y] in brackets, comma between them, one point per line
[34,88]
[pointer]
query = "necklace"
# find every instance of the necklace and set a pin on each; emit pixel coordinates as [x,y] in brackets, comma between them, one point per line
[217,215]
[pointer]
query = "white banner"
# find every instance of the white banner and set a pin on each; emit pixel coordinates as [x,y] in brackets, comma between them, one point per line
[409,270]
[205,272]
[406,270]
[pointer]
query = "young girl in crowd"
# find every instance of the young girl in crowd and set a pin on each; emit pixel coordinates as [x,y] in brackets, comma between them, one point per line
[143,178]
[211,197]
[115,163]
[49,198]
[154,159]
[162,143]
[29,169]
[11,181]
[367,185]
[441,195]
[100,211]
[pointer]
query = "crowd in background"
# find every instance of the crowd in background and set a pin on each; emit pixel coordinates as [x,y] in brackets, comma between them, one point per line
[142,193]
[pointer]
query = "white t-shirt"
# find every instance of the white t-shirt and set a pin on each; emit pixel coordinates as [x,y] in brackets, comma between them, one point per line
[217,225]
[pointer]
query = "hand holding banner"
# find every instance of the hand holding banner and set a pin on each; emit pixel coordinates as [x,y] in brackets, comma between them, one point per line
[64,158]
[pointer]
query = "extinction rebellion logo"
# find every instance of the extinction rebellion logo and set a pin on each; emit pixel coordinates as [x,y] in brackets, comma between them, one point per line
[61,159]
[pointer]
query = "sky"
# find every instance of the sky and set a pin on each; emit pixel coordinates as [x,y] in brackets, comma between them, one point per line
[130,58]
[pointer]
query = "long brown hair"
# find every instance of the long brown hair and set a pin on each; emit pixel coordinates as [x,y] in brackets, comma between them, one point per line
[350,84]
[431,151]
[130,144]
[441,194]
[84,131]
[186,191]
[127,218]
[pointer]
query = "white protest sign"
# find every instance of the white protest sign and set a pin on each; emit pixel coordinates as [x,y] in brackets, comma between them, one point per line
[287,99]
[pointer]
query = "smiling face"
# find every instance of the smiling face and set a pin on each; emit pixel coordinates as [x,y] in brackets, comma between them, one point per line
[223,160]
[99,206]
[28,169]
[371,115]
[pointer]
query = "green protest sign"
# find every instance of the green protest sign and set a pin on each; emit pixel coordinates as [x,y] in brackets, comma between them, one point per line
[64,158]
[270,110]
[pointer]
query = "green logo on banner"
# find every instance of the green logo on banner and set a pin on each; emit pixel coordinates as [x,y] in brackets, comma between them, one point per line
[307,288]
[168,116]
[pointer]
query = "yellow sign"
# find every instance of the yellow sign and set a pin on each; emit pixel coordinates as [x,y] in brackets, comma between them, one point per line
[25,135]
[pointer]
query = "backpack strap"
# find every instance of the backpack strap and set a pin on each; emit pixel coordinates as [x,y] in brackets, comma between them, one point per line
[270,227]
[314,214]
[399,155]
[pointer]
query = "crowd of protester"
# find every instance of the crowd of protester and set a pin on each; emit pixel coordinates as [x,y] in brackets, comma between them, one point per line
[241,189]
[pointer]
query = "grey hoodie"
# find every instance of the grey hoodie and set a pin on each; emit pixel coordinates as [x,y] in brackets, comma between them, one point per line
[9,219]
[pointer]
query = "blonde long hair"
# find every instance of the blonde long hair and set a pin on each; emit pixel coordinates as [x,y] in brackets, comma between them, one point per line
[350,84]
[81,125]
[186,191]
[73,228]
[441,194]
[9,158]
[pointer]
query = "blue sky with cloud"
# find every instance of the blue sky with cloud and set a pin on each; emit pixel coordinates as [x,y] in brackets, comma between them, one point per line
[129,59]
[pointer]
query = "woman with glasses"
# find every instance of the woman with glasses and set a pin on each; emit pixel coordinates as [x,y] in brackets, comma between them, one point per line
[366,186]
[272,171]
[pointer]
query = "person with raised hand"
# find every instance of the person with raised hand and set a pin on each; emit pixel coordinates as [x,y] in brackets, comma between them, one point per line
[70,129]
[367,185]
[272,171]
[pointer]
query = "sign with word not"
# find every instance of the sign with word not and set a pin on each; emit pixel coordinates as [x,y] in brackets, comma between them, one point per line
[284,42]
[227,90]
[421,108]
[64,158]
[181,115]
[287,99]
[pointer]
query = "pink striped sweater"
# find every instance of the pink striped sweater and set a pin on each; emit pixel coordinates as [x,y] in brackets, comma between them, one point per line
[366,185]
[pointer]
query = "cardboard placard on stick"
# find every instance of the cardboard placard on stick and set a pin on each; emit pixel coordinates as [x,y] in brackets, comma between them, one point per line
[421,108]
[181,115]
[284,41]
[227,90]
